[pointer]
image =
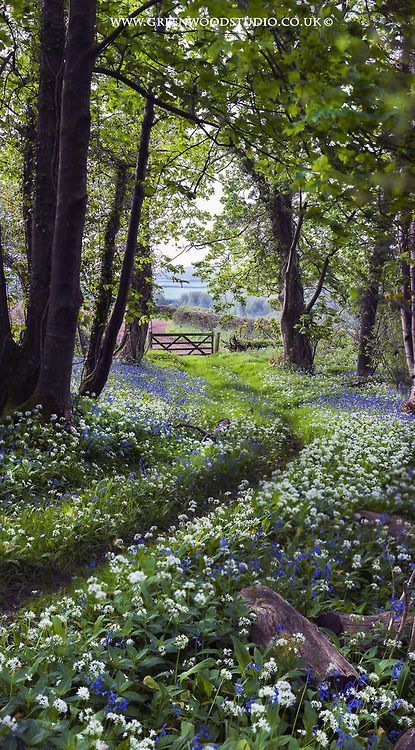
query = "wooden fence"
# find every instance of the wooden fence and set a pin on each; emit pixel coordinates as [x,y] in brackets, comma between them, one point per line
[186,343]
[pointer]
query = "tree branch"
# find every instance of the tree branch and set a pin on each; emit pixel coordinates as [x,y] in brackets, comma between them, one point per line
[4,62]
[319,287]
[295,239]
[121,27]
[148,95]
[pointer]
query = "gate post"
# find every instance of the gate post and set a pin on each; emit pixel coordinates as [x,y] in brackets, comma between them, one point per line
[215,342]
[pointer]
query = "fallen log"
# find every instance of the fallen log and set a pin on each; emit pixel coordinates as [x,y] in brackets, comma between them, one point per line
[399,620]
[407,741]
[272,610]
[396,525]
[341,622]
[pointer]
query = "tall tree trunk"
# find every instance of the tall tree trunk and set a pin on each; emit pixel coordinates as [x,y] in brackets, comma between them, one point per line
[19,373]
[368,311]
[5,325]
[52,39]
[8,348]
[142,289]
[53,390]
[406,316]
[407,250]
[407,247]
[296,345]
[29,162]
[136,339]
[105,284]
[96,382]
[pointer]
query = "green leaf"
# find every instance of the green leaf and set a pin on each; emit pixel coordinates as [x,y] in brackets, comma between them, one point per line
[197,668]
[150,682]
[187,729]
[403,681]
[242,653]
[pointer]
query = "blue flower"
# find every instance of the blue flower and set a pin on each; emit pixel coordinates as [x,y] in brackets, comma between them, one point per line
[323,691]
[396,670]
[254,666]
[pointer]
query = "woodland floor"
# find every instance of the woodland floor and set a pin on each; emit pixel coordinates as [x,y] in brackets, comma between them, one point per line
[155,531]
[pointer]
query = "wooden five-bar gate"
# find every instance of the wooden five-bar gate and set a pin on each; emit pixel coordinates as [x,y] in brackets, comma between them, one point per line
[186,343]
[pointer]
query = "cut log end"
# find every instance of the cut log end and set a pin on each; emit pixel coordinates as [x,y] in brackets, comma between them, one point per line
[407,741]
[273,612]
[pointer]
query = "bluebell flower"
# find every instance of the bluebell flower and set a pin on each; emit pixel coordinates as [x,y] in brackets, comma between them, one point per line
[396,670]
[323,691]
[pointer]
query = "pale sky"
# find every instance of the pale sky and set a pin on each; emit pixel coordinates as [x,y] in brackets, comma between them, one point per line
[171,249]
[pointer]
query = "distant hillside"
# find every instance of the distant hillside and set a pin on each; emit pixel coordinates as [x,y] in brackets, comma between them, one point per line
[190,291]
[172,290]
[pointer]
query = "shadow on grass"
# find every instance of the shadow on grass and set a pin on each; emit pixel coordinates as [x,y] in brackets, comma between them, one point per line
[23,578]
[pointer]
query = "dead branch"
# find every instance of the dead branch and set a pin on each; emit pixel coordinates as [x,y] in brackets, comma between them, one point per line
[220,426]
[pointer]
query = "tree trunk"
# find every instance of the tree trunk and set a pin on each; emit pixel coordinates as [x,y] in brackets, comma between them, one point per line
[135,345]
[52,38]
[406,317]
[104,294]
[342,622]
[273,611]
[296,345]
[407,249]
[297,348]
[96,382]
[8,347]
[368,310]
[136,332]
[53,390]
[141,303]
[5,325]
[29,162]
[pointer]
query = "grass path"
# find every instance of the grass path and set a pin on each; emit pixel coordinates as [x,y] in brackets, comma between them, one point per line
[157,639]
[110,488]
